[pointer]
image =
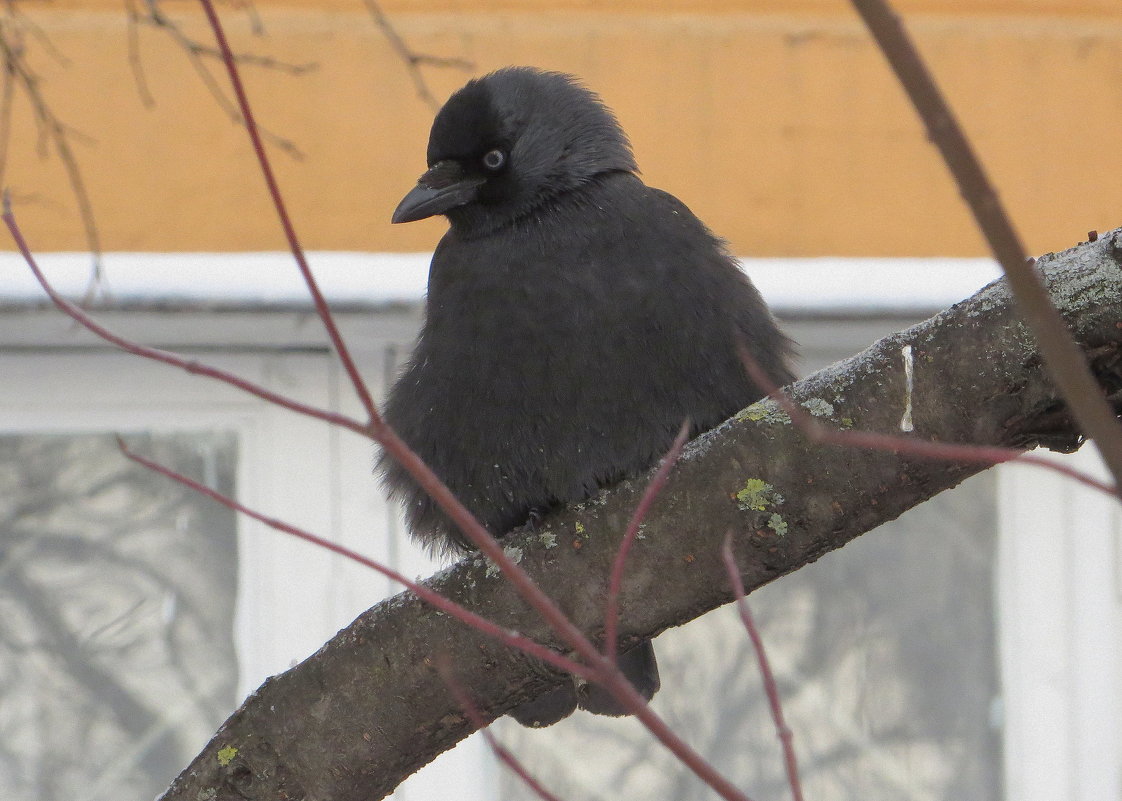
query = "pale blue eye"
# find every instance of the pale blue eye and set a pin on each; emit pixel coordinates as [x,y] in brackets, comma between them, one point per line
[494,159]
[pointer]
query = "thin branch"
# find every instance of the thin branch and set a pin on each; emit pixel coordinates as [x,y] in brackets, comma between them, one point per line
[7,94]
[156,18]
[286,222]
[414,60]
[197,52]
[654,487]
[1062,356]
[605,672]
[768,678]
[469,618]
[256,24]
[54,132]
[471,711]
[132,17]
[167,357]
[26,23]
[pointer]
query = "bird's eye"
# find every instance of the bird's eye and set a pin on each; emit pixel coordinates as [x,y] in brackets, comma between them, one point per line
[494,159]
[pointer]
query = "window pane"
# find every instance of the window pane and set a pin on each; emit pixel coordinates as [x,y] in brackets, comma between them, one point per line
[116,608]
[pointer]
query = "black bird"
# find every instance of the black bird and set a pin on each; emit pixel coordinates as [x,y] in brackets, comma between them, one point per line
[575,318]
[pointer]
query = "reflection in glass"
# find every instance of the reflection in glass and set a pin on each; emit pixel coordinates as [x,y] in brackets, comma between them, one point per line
[116,607]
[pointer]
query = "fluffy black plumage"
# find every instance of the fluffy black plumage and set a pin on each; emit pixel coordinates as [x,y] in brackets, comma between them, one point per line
[575,317]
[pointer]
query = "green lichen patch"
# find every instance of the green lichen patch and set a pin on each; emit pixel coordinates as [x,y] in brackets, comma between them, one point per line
[777,524]
[226,755]
[757,496]
[767,410]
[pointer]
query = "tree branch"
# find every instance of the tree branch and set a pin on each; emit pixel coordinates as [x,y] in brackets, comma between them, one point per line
[370,707]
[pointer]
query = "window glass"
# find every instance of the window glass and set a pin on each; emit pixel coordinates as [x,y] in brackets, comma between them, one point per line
[116,612]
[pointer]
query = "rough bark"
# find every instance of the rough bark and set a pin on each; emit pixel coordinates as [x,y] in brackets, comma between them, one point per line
[369,708]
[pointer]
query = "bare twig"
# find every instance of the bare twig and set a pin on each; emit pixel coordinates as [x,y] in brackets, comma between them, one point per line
[152,15]
[7,93]
[25,23]
[54,132]
[132,17]
[471,711]
[1061,354]
[657,482]
[768,678]
[605,672]
[286,222]
[435,599]
[414,60]
[73,311]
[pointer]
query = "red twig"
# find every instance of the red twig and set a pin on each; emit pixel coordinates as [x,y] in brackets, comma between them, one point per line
[435,599]
[657,482]
[1063,357]
[604,671]
[480,723]
[598,667]
[282,214]
[167,357]
[770,687]
[872,440]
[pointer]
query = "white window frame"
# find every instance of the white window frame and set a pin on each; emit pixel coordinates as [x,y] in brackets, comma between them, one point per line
[1060,633]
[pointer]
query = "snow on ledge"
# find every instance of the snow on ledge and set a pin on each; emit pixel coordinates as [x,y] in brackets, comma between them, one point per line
[808,286]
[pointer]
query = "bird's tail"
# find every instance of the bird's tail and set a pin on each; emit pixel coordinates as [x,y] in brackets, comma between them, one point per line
[638,665]
[641,669]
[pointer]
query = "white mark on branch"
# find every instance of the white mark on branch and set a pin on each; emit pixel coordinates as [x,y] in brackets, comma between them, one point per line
[909,384]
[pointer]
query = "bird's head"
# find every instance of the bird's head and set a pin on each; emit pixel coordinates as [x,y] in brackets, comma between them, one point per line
[508,143]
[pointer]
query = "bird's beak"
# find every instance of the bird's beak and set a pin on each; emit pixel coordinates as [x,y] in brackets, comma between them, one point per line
[442,188]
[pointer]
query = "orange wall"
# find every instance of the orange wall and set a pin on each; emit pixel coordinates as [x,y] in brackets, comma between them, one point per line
[778,122]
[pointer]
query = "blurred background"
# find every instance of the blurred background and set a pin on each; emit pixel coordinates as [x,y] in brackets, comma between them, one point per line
[968,650]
